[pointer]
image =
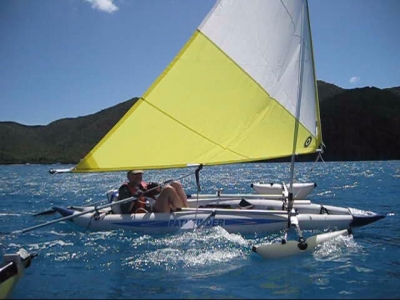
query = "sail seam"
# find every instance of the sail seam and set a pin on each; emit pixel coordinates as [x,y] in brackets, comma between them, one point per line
[192,130]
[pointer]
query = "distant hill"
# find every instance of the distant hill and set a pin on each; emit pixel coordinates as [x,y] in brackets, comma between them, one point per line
[362,124]
[327,90]
[394,90]
[357,124]
[64,141]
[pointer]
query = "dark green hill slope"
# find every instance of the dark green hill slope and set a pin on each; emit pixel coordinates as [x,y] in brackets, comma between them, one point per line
[64,141]
[361,124]
[327,90]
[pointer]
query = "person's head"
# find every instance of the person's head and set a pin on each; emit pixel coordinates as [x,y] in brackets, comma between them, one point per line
[135,176]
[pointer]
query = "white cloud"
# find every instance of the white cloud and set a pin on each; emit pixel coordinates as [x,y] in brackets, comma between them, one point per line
[354,79]
[103,5]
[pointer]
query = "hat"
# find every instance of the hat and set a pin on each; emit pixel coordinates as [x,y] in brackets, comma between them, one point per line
[134,172]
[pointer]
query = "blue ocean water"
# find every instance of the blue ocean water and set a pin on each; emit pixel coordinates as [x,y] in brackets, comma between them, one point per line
[211,263]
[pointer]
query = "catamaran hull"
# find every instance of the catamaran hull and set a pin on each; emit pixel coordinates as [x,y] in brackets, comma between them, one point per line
[300,190]
[245,213]
[234,221]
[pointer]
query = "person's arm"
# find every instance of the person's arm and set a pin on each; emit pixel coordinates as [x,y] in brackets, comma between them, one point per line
[155,190]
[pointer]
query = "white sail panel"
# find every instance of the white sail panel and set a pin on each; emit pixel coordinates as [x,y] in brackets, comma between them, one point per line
[265,37]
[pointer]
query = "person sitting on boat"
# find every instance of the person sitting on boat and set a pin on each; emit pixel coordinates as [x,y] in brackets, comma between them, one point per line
[170,198]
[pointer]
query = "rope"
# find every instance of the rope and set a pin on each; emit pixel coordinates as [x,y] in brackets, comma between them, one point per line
[319,157]
[88,225]
[197,176]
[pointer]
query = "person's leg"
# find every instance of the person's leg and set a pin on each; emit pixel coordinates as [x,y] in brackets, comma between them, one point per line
[167,199]
[181,193]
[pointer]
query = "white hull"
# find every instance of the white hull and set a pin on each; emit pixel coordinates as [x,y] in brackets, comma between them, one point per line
[241,213]
[58,171]
[233,220]
[257,215]
[300,190]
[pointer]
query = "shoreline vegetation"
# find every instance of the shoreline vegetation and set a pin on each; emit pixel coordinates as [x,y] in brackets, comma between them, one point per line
[358,124]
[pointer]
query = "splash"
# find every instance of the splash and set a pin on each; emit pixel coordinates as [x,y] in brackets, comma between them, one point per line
[190,249]
[336,249]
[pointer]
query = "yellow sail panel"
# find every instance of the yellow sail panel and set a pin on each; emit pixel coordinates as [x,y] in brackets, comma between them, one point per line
[203,109]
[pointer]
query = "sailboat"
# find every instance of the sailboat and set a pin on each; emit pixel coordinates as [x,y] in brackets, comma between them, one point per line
[242,89]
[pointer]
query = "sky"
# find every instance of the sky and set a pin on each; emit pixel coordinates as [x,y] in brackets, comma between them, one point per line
[70,58]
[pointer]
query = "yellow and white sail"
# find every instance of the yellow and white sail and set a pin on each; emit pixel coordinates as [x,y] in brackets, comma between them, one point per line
[231,95]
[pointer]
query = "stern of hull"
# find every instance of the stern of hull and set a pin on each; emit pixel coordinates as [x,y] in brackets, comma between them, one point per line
[65,212]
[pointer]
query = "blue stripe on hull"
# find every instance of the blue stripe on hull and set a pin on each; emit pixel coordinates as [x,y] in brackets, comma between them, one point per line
[210,223]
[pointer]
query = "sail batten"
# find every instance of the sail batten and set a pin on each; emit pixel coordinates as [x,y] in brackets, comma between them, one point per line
[229,96]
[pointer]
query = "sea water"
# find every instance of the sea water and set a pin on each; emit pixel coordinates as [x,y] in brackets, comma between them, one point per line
[210,263]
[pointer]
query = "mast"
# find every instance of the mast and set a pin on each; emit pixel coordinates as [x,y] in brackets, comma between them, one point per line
[298,106]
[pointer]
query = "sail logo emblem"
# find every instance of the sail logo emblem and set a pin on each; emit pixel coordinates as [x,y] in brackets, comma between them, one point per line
[308,142]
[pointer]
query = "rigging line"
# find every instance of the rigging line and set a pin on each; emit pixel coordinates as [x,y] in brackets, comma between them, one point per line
[197,176]
[319,156]
[307,175]
[88,225]
[310,170]
[179,178]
